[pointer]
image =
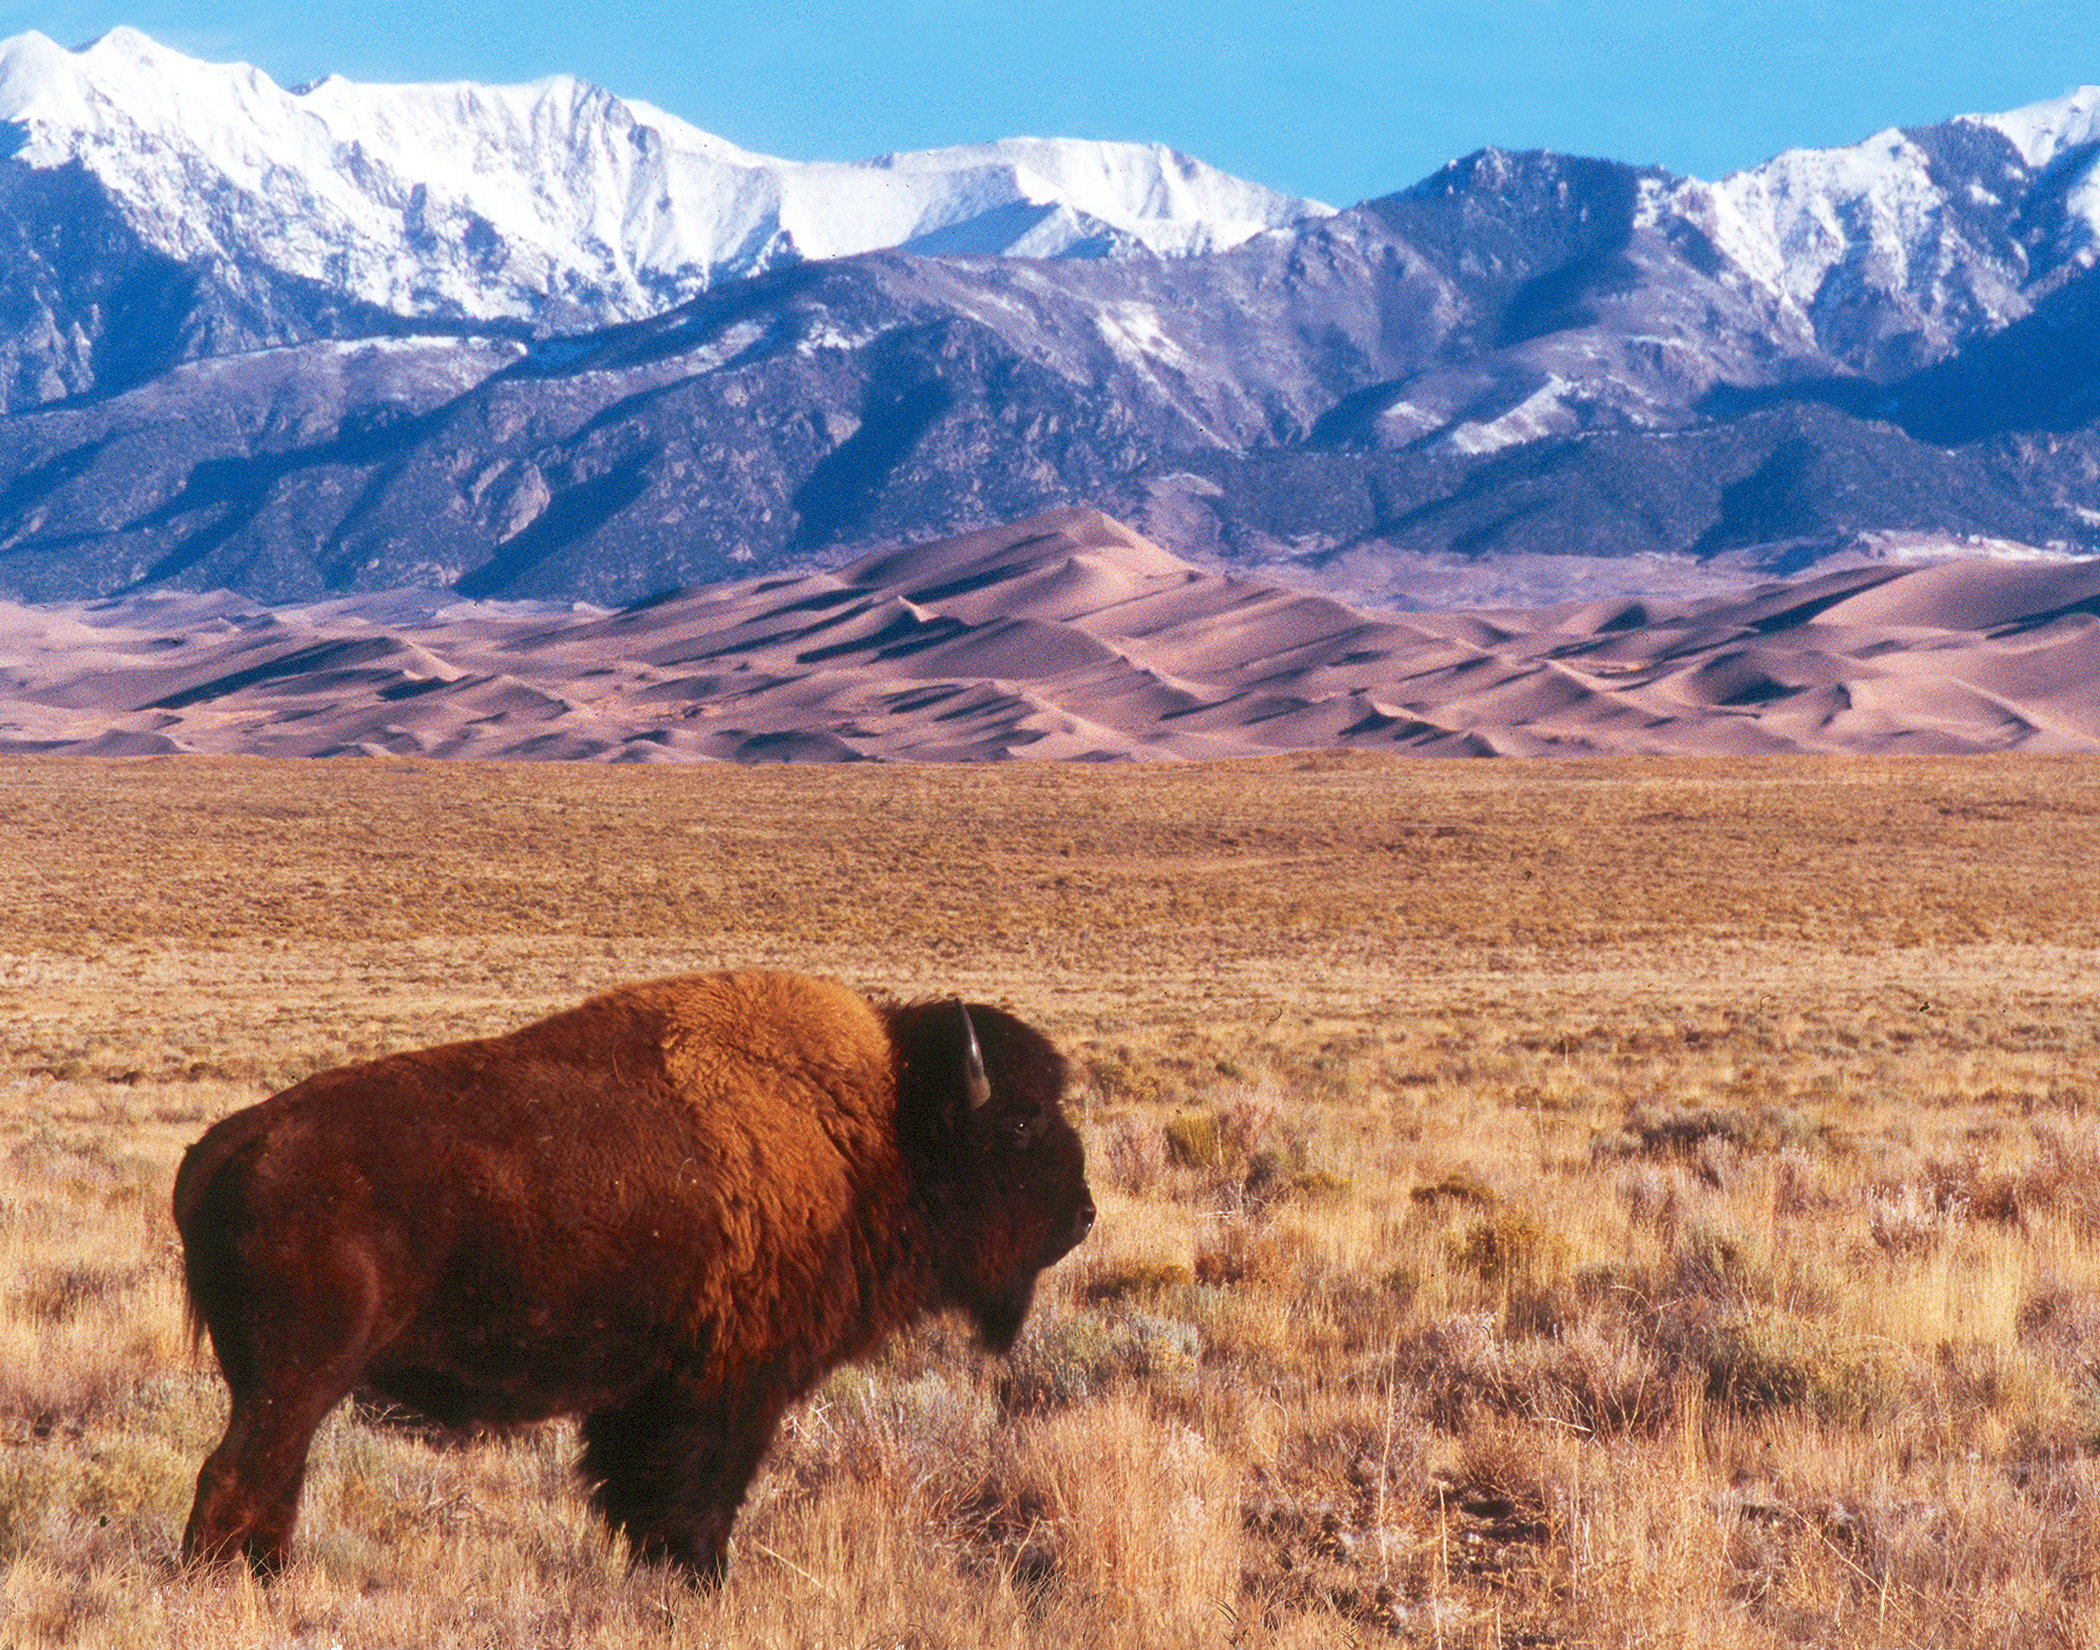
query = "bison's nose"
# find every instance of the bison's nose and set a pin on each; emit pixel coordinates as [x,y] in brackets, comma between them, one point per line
[1074,1233]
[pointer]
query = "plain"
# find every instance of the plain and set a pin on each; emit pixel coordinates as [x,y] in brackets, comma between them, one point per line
[1612,1203]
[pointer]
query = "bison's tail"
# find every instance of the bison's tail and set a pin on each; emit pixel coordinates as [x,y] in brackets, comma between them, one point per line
[208,1207]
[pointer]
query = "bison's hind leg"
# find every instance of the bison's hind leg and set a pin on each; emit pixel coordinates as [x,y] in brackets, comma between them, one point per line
[305,1363]
[248,1489]
[669,1470]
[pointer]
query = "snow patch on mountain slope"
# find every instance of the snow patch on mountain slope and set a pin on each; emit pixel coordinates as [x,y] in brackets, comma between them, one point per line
[1542,413]
[485,201]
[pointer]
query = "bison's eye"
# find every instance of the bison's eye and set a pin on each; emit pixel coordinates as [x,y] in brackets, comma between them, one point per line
[1021,1130]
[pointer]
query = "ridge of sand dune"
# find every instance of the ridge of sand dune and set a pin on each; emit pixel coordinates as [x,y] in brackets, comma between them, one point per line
[1015,546]
[1069,637]
[1972,596]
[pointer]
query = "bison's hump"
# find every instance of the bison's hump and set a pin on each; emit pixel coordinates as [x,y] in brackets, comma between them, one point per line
[723,1032]
[732,1042]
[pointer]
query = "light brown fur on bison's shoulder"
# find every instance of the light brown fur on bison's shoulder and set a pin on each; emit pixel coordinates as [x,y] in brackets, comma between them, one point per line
[670,1209]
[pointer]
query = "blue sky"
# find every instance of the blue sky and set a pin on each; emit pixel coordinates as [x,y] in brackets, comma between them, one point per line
[1338,101]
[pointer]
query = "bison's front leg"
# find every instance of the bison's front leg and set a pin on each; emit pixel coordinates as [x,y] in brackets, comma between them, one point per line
[670,1469]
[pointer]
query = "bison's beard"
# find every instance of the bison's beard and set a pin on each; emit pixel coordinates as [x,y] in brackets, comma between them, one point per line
[999,1319]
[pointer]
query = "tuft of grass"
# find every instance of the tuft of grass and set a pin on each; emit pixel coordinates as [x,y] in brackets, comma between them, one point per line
[1196,1140]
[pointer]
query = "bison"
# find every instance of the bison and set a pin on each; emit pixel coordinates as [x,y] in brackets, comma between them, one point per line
[669,1210]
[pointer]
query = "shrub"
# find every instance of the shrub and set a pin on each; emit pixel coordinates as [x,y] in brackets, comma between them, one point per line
[1750,1360]
[1086,1354]
[1684,1131]
[1910,1219]
[1459,1186]
[1137,1279]
[1132,1156]
[1506,1246]
[1239,1252]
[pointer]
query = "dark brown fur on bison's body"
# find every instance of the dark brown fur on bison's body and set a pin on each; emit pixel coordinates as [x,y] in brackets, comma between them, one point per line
[670,1210]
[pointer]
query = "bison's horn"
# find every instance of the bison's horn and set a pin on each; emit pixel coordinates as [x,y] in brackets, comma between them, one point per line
[975,1084]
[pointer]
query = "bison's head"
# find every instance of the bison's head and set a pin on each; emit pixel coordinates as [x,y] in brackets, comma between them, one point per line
[1002,1173]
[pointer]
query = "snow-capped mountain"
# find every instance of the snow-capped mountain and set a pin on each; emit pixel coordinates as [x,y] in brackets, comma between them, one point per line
[556,200]
[1628,298]
[539,341]
[1897,248]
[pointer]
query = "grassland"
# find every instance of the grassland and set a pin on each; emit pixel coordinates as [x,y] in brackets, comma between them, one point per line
[1594,1204]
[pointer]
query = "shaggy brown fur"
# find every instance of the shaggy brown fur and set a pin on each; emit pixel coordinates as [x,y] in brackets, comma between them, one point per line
[671,1210]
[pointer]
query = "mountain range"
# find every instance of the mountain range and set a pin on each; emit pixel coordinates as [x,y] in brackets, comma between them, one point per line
[542,342]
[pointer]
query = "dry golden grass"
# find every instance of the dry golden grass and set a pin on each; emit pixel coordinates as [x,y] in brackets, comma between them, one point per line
[1589,1204]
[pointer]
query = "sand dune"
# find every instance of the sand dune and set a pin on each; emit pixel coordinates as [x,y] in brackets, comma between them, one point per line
[1069,637]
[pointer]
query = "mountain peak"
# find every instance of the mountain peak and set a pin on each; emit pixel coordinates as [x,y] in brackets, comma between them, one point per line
[2042,131]
[128,44]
